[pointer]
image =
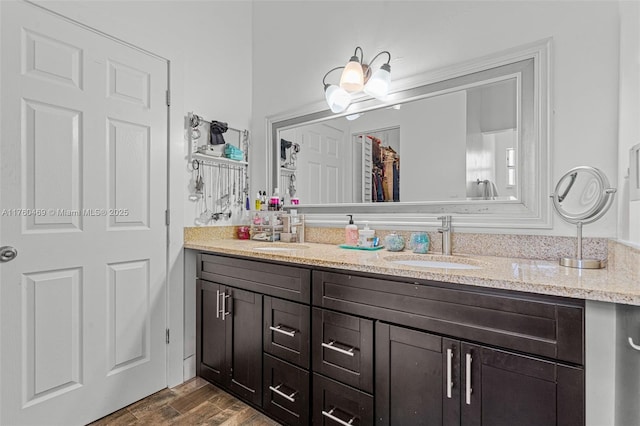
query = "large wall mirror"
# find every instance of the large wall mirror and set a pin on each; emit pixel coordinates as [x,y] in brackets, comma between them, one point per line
[470,140]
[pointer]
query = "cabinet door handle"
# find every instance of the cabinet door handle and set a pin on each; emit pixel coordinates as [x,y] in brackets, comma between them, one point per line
[468,389]
[449,381]
[329,414]
[278,329]
[282,394]
[217,303]
[633,345]
[224,312]
[331,345]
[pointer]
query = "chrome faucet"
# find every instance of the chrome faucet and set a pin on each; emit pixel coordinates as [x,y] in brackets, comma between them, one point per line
[445,230]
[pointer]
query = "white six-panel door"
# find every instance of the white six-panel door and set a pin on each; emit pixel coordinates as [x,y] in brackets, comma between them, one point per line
[83,194]
[321,157]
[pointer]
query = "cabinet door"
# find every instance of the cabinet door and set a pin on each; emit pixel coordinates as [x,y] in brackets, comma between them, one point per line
[343,348]
[244,343]
[287,330]
[503,388]
[210,329]
[417,377]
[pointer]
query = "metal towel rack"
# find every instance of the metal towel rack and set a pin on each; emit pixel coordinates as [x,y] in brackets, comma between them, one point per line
[193,135]
[223,188]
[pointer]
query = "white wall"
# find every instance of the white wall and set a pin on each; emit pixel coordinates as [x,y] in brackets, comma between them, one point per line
[295,43]
[210,43]
[628,211]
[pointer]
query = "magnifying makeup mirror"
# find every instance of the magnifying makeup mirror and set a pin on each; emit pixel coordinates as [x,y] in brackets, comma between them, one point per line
[582,196]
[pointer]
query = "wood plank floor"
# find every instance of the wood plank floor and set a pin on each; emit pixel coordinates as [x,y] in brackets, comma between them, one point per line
[196,402]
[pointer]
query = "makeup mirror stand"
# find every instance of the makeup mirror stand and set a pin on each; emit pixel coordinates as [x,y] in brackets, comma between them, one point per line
[595,197]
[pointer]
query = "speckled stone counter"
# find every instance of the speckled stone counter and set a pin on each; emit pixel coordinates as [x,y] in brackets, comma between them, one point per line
[618,283]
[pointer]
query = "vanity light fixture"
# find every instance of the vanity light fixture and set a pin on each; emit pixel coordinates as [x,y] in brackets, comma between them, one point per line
[356,77]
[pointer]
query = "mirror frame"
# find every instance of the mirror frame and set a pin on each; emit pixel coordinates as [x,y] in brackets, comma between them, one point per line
[531,210]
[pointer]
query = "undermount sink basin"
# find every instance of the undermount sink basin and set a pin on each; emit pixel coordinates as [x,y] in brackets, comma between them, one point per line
[434,261]
[281,247]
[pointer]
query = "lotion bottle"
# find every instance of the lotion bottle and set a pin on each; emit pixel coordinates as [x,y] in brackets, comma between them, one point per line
[366,237]
[351,232]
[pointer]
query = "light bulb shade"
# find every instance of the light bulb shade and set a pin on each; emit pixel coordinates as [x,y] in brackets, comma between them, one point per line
[379,83]
[352,79]
[337,98]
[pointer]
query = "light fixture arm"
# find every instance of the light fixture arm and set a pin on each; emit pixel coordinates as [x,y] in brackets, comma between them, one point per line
[324,83]
[355,53]
[376,57]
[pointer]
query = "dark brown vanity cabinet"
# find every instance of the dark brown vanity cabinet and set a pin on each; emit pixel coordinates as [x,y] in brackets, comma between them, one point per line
[425,379]
[229,343]
[253,333]
[333,348]
[525,366]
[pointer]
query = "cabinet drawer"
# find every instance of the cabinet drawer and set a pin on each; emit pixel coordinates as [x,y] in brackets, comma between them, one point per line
[287,282]
[338,404]
[543,325]
[286,391]
[286,330]
[343,348]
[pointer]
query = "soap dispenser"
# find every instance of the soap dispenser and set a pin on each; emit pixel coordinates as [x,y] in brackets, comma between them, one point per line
[351,232]
[366,237]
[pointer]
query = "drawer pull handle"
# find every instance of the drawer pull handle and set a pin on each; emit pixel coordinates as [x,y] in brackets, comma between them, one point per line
[331,345]
[449,382]
[633,345]
[468,390]
[329,414]
[278,329]
[282,394]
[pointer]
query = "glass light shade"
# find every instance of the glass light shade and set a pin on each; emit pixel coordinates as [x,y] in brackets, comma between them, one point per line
[337,98]
[352,79]
[352,117]
[379,83]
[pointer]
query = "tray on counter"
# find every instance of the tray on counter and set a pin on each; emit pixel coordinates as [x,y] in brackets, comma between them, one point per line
[350,247]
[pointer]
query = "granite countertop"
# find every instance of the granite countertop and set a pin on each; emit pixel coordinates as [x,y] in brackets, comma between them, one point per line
[618,283]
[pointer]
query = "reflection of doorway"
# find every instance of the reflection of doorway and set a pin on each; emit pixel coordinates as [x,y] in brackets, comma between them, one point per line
[320,178]
[377,165]
[492,167]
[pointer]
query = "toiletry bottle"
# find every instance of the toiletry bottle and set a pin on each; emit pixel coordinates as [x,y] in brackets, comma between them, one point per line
[258,201]
[263,201]
[366,237]
[351,232]
[274,201]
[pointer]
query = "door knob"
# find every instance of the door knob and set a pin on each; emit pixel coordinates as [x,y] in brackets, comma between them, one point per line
[7,253]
